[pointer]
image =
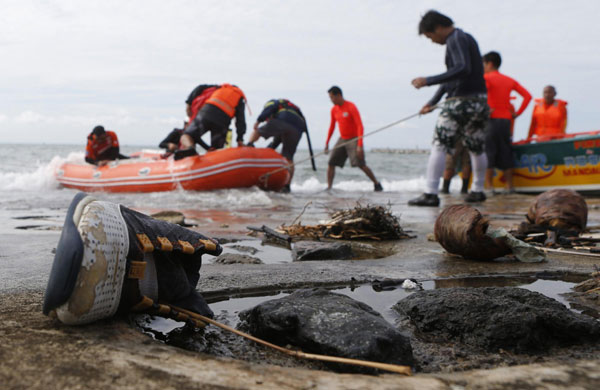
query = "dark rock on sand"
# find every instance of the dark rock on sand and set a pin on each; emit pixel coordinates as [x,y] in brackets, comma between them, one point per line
[496,318]
[235,258]
[323,322]
[313,250]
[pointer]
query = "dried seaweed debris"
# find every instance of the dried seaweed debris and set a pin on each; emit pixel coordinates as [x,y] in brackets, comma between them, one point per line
[373,222]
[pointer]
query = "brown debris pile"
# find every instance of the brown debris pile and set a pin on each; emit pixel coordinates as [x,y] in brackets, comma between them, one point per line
[360,223]
[461,230]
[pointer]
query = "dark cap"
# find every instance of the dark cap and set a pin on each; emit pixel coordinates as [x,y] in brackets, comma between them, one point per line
[98,130]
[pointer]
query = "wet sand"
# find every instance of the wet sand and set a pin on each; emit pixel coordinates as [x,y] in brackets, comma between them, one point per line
[38,352]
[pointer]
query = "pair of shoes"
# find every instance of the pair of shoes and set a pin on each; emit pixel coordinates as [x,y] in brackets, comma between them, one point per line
[475,197]
[431,200]
[378,187]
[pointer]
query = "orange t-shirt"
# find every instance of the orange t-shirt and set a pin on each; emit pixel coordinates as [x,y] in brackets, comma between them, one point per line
[548,119]
[499,87]
[348,120]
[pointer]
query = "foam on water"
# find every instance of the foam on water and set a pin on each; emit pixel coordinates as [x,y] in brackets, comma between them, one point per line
[40,178]
[314,185]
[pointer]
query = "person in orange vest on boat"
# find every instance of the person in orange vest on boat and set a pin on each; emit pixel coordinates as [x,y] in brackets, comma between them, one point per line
[350,143]
[197,98]
[102,147]
[498,138]
[225,103]
[549,115]
[283,121]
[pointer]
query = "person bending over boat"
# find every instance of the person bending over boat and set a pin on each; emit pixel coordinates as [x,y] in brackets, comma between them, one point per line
[283,121]
[549,115]
[465,111]
[197,98]
[350,143]
[225,103]
[102,147]
[498,140]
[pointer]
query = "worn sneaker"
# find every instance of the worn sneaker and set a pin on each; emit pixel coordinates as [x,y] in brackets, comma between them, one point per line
[475,197]
[378,187]
[431,200]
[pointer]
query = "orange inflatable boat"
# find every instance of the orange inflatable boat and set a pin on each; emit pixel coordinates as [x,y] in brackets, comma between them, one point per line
[149,172]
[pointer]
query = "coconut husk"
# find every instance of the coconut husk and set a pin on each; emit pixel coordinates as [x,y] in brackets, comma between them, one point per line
[461,230]
[559,209]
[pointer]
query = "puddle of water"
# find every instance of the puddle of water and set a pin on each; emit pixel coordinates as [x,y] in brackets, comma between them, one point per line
[269,254]
[380,300]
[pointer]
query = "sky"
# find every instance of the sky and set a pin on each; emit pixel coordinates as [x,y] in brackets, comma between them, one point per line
[68,66]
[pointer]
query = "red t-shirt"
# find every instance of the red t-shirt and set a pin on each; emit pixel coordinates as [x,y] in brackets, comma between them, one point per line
[348,120]
[499,88]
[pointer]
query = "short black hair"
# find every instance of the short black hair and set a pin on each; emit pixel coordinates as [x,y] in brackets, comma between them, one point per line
[98,130]
[335,90]
[431,20]
[494,58]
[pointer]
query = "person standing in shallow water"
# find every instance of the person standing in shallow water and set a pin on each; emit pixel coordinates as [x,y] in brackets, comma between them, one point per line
[465,111]
[351,129]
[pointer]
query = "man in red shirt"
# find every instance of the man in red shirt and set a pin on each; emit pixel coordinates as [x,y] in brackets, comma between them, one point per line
[498,139]
[549,115]
[350,143]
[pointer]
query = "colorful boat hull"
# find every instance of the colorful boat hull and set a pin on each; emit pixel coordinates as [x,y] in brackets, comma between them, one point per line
[571,161]
[226,168]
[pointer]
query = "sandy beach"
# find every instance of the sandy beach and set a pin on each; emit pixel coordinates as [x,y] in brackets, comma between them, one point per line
[38,352]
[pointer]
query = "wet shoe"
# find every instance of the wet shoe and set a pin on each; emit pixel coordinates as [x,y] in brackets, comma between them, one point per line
[378,187]
[431,200]
[475,197]
[110,257]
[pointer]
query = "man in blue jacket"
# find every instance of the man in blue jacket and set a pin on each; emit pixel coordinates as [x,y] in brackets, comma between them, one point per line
[464,113]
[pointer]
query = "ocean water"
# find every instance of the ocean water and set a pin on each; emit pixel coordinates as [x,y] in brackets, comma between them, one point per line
[27,175]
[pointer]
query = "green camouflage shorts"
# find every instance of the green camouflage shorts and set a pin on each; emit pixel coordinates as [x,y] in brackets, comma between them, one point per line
[462,119]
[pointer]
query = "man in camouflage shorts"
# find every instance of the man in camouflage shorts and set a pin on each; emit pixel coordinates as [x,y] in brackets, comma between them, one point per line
[465,111]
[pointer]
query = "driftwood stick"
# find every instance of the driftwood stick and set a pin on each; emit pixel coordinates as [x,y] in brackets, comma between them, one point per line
[270,232]
[570,252]
[405,370]
[302,212]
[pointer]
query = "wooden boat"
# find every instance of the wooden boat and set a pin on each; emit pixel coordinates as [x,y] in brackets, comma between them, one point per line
[569,161]
[150,172]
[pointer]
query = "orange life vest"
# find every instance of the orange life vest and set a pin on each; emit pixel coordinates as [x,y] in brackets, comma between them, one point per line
[96,146]
[226,98]
[548,119]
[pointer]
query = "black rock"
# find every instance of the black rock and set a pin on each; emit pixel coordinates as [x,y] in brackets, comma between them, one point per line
[494,318]
[313,250]
[323,322]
